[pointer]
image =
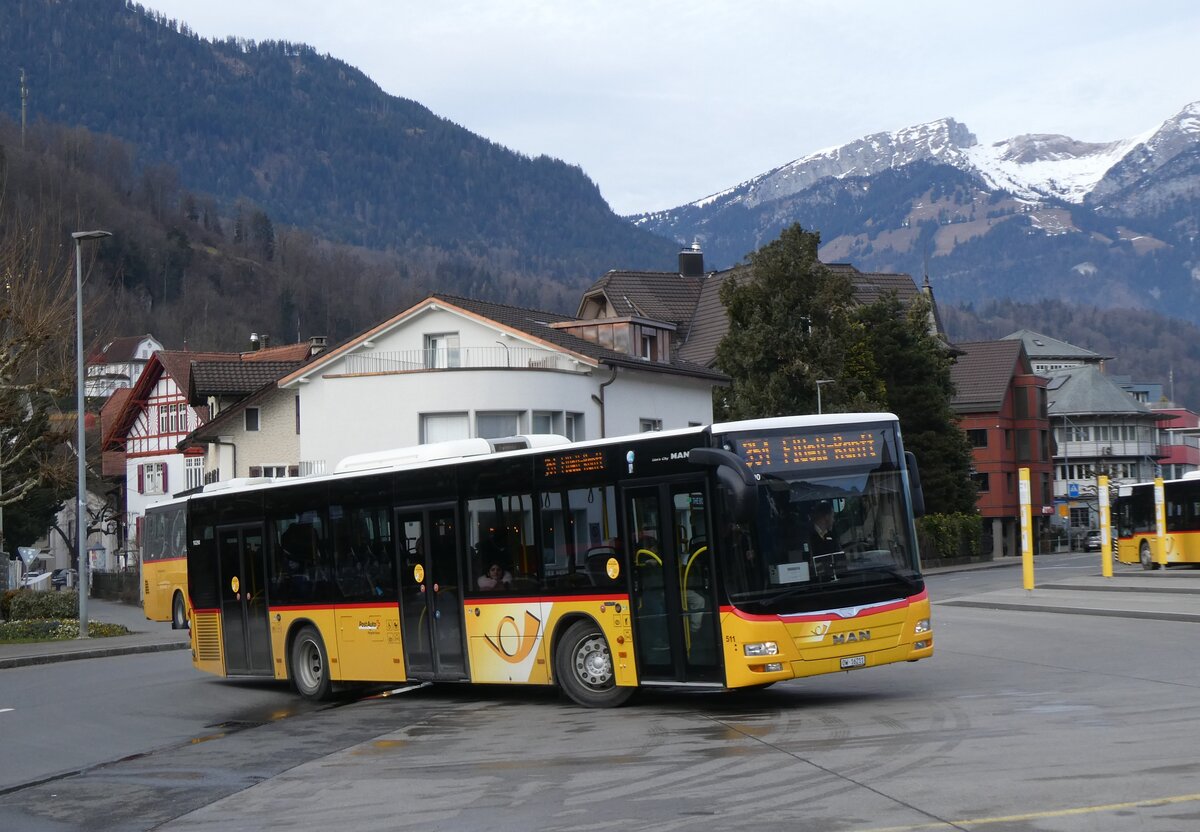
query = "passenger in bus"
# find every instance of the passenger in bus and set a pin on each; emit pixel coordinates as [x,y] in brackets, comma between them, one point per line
[496,577]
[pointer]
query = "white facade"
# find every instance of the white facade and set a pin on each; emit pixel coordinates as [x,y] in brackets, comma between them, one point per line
[439,373]
[261,439]
[154,467]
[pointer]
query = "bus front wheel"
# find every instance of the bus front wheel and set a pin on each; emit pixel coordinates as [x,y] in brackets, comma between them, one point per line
[1147,560]
[584,667]
[178,613]
[310,665]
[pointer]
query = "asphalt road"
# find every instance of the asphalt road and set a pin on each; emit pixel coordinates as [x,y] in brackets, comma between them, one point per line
[1021,721]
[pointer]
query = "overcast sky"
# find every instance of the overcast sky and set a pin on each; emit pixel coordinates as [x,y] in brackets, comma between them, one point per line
[663,103]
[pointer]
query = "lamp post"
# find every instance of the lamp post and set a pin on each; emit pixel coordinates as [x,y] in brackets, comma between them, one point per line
[819,382]
[80,448]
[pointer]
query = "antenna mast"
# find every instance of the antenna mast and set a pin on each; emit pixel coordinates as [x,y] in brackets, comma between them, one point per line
[24,102]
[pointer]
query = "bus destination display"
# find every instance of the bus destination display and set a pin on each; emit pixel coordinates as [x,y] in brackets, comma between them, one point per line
[848,448]
[566,465]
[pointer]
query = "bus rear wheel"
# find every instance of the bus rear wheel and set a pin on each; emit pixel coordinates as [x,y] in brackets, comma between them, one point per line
[1147,559]
[584,667]
[178,613]
[310,665]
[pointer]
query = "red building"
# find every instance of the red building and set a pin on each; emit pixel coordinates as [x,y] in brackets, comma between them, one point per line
[1002,408]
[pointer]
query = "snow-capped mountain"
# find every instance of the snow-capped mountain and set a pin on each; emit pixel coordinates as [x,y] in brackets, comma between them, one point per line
[1031,216]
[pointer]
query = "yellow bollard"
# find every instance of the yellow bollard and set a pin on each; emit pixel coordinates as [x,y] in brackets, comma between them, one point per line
[1105,527]
[1026,531]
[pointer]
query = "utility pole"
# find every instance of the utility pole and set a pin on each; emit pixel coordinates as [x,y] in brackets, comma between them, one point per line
[24,103]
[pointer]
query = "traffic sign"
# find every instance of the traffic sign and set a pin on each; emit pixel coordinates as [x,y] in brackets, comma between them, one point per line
[1073,490]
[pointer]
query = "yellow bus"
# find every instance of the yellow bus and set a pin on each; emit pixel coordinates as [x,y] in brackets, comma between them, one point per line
[678,558]
[1135,527]
[164,563]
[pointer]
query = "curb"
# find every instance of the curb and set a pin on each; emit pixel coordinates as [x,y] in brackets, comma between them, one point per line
[90,653]
[1003,605]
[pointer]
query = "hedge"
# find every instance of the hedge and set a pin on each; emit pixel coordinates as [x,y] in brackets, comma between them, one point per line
[55,629]
[949,536]
[27,604]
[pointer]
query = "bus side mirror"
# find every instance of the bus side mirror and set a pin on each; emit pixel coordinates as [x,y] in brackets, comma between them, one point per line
[734,475]
[914,484]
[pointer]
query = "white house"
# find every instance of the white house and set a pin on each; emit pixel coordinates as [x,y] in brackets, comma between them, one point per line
[119,364]
[452,367]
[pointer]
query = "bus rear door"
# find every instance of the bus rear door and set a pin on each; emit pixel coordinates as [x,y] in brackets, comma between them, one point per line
[674,591]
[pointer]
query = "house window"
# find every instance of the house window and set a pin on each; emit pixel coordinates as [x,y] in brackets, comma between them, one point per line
[193,468]
[650,347]
[542,421]
[173,409]
[251,419]
[981,482]
[573,426]
[978,437]
[495,425]
[152,478]
[441,350]
[1024,450]
[164,418]
[1021,402]
[649,425]
[443,427]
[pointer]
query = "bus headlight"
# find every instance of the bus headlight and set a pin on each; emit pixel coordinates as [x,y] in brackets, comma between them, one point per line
[922,626]
[761,648]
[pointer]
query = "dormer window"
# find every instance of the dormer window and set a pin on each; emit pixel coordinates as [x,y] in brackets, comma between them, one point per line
[649,346]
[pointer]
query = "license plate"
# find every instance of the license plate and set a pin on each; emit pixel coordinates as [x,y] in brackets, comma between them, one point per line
[854,661]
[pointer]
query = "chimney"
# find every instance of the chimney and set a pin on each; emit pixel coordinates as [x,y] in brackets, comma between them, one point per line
[266,340]
[253,342]
[691,261]
[316,345]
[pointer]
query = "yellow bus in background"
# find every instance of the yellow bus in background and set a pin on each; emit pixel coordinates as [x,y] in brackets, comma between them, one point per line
[1135,526]
[164,563]
[682,558]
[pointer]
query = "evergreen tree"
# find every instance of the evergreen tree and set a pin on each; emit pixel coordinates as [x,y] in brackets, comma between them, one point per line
[914,366]
[790,325]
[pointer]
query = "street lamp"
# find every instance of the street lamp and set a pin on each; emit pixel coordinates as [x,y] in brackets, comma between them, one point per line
[80,448]
[821,381]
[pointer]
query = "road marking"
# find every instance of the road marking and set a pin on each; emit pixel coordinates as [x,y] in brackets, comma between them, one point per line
[1054,813]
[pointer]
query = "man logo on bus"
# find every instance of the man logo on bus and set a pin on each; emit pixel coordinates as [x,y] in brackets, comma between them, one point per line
[509,643]
[629,460]
[851,638]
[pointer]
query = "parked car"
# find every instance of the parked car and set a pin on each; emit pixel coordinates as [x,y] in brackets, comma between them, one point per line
[64,578]
[36,579]
[1092,541]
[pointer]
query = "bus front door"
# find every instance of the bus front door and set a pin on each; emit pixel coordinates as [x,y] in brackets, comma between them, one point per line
[431,595]
[674,593]
[245,622]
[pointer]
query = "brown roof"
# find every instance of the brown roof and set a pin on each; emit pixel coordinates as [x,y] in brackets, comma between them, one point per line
[661,296]
[983,373]
[234,378]
[119,350]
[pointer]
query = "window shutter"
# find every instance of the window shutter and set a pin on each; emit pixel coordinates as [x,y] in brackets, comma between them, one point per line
[141,482]
[140,520]
[256,470]
[166,490]
[293,470]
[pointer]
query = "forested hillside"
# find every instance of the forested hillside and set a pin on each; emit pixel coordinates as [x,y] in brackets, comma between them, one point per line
[1147,346]
[194,273]
[311,140]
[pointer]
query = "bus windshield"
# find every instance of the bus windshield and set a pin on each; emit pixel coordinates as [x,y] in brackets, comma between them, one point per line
[826,533]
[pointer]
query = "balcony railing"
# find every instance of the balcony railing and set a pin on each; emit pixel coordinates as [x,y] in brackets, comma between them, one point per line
[409,361]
